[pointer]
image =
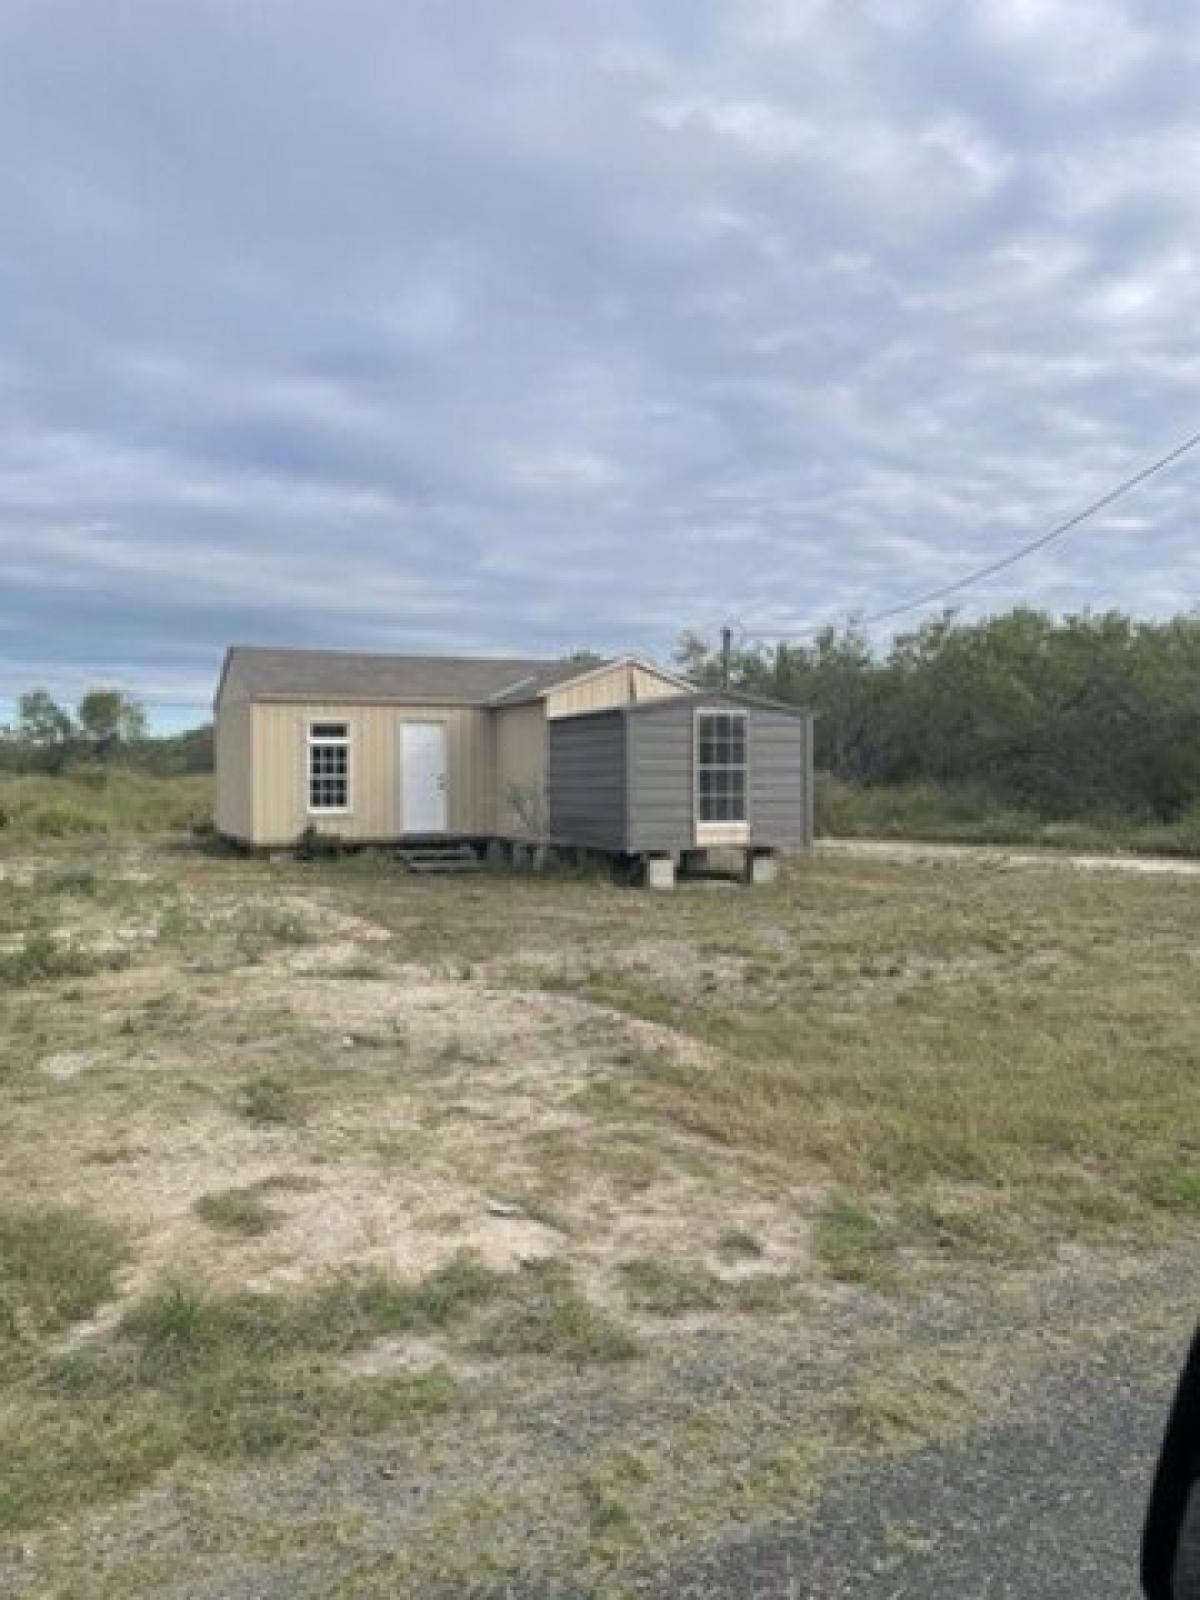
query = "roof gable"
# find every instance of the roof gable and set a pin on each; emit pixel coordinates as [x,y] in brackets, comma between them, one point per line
[579,672]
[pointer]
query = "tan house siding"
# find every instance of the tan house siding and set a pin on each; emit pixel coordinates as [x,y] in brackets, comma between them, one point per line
[651,685]
[280,756]
[494,754]
[617,685]
[520,766]
[234,770]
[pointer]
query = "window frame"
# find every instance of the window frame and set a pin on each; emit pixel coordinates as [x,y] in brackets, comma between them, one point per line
[316,741]
[699,766]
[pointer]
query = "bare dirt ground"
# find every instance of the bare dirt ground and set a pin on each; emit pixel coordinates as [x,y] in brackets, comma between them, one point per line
[761,1185]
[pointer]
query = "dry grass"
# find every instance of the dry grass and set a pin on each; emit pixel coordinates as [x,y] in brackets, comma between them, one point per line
[602,1157]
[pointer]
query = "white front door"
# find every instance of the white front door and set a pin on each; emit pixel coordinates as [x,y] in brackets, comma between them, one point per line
[423,777]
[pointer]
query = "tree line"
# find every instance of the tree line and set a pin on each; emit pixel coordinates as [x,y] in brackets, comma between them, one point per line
[1071,716]
[105,726]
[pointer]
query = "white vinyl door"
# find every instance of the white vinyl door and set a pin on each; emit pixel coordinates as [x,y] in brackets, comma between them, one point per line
[423,777]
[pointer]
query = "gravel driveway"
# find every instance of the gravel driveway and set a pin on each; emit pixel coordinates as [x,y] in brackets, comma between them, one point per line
[1046,1505]
[915,850]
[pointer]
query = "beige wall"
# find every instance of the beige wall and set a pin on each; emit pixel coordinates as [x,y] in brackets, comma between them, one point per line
[235,770]
[520,764]
[612,686]
[651,685]
[280,754]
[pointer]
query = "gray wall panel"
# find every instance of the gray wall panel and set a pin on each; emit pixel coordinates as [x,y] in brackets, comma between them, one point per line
[585,780]
[623,780]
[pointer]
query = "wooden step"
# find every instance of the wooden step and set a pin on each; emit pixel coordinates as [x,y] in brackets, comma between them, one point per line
[439,858]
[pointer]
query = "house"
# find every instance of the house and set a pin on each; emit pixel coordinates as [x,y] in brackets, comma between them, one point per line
[621,756]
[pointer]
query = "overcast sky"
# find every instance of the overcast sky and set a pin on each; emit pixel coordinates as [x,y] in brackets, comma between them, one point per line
[512,326]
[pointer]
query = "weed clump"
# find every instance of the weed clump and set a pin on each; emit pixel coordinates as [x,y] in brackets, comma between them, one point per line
[548,1316]
[238,1211]
[41,958]
[269,1101]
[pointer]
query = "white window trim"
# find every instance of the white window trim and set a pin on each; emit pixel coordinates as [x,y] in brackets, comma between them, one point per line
[720,829]
[310,742]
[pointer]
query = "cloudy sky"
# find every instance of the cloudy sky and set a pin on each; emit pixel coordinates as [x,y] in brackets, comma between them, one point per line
[498,325]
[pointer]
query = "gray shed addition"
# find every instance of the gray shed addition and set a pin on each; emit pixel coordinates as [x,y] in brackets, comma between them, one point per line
[671,779]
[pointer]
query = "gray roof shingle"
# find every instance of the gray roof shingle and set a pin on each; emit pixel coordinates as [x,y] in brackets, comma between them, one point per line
[350,675]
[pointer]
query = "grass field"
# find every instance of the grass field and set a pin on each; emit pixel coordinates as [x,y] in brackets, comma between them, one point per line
[361,1233]
[96,800]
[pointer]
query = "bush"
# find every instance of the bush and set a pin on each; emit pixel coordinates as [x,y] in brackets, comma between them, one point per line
[961,813]
[313,845]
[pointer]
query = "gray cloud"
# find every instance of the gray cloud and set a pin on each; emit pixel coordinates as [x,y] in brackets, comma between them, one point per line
[525,326]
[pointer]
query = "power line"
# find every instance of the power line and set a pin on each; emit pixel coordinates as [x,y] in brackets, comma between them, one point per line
[1010,560]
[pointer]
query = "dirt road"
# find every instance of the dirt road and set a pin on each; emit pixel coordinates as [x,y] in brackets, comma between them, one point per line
[915,850]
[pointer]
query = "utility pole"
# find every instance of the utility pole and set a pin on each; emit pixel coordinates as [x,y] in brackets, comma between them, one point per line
[726,649]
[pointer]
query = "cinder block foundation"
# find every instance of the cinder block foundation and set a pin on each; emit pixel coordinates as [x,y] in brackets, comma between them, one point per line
[660,872]
[762,869]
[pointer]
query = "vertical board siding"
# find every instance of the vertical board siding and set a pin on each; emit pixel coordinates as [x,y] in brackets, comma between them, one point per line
[618,685]
[234,812]
[280,755]
[520,771]
[585,780]
[651,685]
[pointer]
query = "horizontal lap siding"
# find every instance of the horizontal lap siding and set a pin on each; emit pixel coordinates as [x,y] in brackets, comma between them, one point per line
[661,790]
[779,778]
[660,779]
[585,780]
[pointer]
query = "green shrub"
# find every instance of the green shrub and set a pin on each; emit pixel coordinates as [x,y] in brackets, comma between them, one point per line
[315,845]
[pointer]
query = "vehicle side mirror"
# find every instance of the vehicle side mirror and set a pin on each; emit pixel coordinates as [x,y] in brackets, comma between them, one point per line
[1185,1571]
[1170,1555]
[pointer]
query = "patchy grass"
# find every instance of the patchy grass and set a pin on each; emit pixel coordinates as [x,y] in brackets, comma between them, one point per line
[712,1108]
[549,1317]
[918,1403]
[229,1376]
[1174,1188]
[853,1243]
[269,1101]
[739,1244]
[41,958]
[669,1289]
[241,1211]
[56,1266]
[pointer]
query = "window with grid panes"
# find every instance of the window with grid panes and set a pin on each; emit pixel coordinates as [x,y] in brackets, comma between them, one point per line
[721,766]
[329,766]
